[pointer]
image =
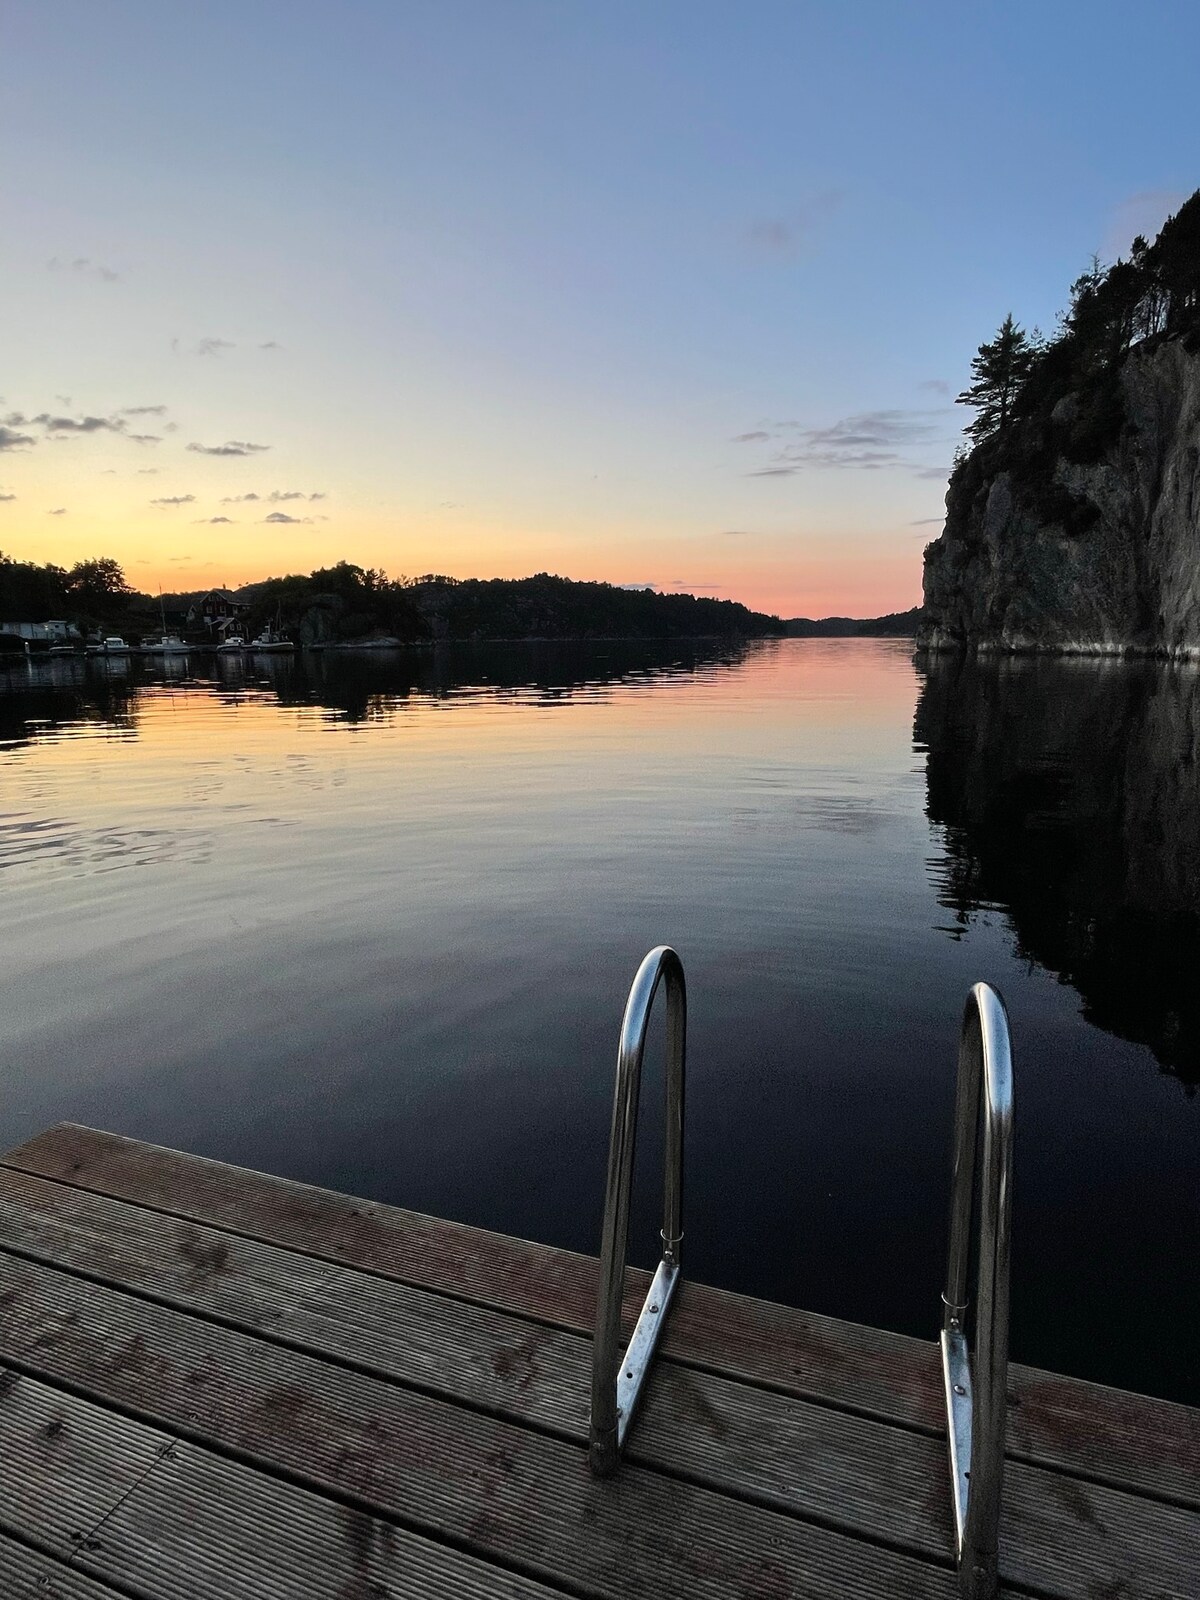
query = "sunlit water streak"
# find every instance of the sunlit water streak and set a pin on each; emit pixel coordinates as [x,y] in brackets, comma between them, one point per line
[370,923]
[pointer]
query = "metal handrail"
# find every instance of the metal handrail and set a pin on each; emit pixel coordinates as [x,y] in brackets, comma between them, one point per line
[617,1380]
[976,1410]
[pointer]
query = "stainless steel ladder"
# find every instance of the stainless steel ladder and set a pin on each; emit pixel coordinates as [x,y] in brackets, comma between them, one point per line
[976,1388]
[617,1379]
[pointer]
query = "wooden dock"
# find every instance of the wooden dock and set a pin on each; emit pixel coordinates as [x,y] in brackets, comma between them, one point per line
[217,1383]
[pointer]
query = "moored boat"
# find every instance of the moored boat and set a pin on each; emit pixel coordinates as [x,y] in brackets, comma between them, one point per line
[269,641]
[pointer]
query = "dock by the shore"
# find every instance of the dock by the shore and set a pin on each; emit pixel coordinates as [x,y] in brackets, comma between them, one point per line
[218,1383]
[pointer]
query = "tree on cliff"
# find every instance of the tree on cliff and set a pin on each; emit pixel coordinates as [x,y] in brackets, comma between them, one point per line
[999,370]
[1177,258]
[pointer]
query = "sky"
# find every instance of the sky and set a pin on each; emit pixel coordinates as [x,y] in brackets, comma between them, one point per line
[674,293]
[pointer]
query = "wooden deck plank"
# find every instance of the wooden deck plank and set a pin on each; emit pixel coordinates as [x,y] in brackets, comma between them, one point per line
[465,1484]
[27,1574]
[190,1375]
[341,1429]
[732,1333]
[262,1538]
[1055,1421]
[64,1468]
[210,1529]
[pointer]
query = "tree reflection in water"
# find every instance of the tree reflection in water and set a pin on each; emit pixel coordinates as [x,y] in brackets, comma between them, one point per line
[1069,795]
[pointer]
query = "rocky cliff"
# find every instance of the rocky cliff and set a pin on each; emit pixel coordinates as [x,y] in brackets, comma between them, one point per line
[1078,529]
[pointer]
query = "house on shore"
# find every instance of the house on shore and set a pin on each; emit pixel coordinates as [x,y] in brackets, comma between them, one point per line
[219,611]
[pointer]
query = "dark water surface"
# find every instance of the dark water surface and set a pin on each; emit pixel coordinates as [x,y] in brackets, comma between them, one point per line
[370,922]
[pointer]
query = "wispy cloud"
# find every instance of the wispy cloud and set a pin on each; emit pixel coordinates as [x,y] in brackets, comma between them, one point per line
[936,386]
[10,439]
[59,511]
[926,522]
[796,229]
[214,519]
[213,347]
[60,425]
[140,411]
[866,441]
[751,438]
[143,472]
[5,497]
[282,516]
[736,533]
[85,267]
[232,447]
[174,500]
[932,474]
[53,424]
[276,497]
[270,344]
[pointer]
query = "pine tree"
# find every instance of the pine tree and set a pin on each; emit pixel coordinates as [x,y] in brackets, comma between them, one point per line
[999,370]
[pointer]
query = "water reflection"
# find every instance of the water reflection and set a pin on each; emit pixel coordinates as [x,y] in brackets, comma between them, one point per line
[1069,793]
[60,696]
[43,699]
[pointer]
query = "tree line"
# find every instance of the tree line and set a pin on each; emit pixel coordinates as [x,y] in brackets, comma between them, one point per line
[346,602]
[90,591]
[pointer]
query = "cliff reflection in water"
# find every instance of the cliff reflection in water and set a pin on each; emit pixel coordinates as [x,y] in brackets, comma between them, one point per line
[1069,792]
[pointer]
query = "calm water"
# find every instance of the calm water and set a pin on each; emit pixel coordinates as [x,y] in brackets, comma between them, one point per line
[370,923]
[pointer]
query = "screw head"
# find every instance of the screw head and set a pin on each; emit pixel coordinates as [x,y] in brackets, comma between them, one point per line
[958,1389]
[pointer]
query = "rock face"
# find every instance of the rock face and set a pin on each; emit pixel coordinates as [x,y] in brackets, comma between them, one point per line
[1080,532]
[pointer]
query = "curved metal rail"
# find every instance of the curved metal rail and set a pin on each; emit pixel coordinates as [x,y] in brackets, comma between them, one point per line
[976,1410]
[617,1380]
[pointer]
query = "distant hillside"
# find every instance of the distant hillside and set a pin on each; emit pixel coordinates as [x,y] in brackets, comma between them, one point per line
[348,604]
[345,603]
[896,625]
[546,607]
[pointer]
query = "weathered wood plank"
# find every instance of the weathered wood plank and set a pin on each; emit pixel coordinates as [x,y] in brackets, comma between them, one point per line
[64,1468]
[209,1529]
[404,1453]
[179,1260]
[799,1352]
[27,1574]
[208,1526]
[512,1497]
[1107,1434]
[190,1375]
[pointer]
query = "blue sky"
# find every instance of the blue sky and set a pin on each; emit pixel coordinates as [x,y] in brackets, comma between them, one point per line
[506,284]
